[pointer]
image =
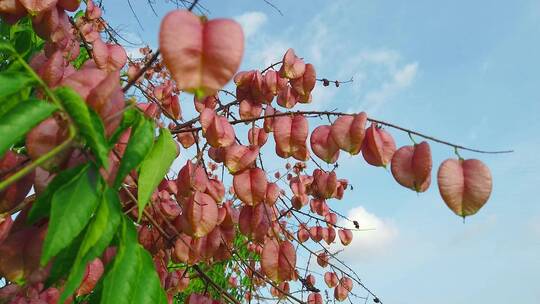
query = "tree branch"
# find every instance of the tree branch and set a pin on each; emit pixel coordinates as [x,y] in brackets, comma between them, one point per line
[330,113]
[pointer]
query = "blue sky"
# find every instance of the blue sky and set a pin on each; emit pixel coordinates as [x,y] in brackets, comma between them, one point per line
[463,71]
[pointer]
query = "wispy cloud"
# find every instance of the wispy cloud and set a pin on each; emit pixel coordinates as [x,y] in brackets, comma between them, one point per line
[399,80]
[251,22]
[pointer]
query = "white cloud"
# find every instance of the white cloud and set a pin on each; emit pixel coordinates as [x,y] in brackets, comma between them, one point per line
[380,56]
[251,22]
[268,54]
[379,74]
[375,238]
[404,77]
[401,78]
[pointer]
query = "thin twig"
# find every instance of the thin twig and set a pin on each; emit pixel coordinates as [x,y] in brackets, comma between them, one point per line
[321,113]
[141,72]
[85,43]
[274,6]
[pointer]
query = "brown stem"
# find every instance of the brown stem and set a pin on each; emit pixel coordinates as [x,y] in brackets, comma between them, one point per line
[27,201]
[85,43]
[141,71]
[329,113]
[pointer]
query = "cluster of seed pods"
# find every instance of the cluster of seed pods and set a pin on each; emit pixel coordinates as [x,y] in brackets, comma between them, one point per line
[203,215]
[97,83]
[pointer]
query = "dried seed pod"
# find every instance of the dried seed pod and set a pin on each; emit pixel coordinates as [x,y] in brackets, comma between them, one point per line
[323,144]
[378,147]
[465,185]
[348,132]
[331,279]
[199,215]
[278,260]
[250,186]
[194,51]
[411,166]
[290,134]
[345,236]
[292,67]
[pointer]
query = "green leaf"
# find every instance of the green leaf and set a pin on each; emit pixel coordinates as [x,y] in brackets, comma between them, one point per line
[14,81]
[139,144]
[23,41]
[42,206]
[104,225]
[97,123]
[64,260]
[79,112]
[72,207]
[79,14]
[9,102]
[133,277]
[129,118]
[155,166]
[81,59]
[153,292]
[7,47]
[98,236]
[20,120]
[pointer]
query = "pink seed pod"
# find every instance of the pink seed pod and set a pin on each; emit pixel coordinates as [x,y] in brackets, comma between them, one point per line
[411,166]
[465,185]
[378,147]
[292,67]
[323,144]
[345,236]
[349,131]
[250,186]
[201,55]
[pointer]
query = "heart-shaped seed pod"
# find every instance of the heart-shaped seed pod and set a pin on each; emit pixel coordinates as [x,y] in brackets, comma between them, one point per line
[323,144]
[108,57]
[302,234]
[269,121]
[315,298]
[254,221]
[345,236]
[290,134]
[378,147]
[250,109]
[216,129]
[331,279]
[43,138]
[324,184]
[292,67]
[322,259]
[250,186]
[15,193]
[465,185]
[305,84]
[349,131]
[278,260]
[411,166]
[257,136]
[239,157]
[201,55]
[199,215]
[273,83]
[191,178]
